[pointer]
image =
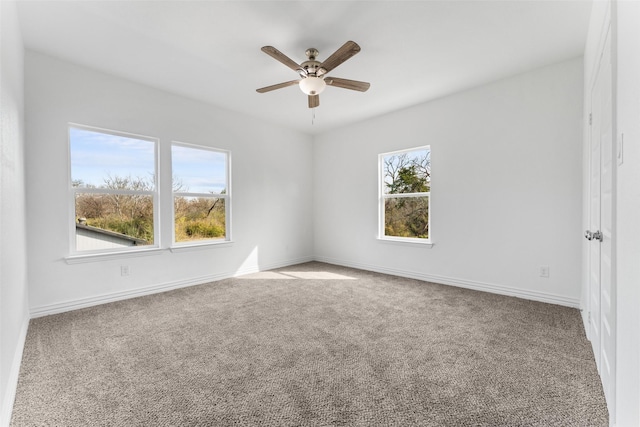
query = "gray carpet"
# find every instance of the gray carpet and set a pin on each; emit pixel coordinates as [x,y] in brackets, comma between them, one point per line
[311,345]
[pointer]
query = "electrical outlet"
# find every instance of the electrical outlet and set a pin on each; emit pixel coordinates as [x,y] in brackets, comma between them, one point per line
[544,271]
[124,270]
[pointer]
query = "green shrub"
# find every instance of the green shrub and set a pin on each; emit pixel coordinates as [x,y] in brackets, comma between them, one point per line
[203,229]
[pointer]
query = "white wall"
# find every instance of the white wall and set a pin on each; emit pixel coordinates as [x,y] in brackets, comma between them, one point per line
[506,187]
[271,183]
[14,313]
[626,72]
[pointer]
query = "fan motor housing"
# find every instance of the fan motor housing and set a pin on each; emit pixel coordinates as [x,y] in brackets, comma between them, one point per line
[311,66]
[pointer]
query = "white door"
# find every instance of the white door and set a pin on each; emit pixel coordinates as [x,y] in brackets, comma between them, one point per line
[600,233]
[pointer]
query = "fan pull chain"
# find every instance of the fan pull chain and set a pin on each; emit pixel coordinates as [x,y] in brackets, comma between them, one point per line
[313,116]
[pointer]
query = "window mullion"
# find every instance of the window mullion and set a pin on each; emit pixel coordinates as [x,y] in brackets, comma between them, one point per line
[204,195]
[113,191]
[400,195]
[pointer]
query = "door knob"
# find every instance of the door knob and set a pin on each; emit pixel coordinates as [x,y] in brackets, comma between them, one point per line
[597,235]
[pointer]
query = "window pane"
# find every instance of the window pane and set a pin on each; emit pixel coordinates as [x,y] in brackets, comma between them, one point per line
[198,170]
[105,221]
[101,160]
[199,218]
[408,172]
[406,217]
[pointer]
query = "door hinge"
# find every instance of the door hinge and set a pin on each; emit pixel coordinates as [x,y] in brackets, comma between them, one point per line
[590,119]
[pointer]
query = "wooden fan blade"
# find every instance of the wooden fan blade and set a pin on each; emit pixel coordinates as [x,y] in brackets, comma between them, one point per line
[314,101]
[347,84]
[278,86]
[347,50]
[279,56]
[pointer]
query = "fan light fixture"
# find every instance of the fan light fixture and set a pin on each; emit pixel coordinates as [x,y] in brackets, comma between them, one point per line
[312,85]
[313,78]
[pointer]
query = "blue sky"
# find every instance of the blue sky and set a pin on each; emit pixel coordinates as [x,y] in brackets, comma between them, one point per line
[96,155]
[202,171]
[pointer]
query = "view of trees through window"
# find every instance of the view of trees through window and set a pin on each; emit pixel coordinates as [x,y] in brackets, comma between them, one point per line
[113,180]
[199,218]
[196,218]
[406,186]
[127,214]
[200,192]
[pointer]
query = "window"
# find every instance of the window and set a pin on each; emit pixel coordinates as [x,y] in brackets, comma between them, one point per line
[405,185]
[201,194]
[114,190]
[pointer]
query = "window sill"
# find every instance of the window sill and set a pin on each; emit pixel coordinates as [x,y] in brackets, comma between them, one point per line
[79,259]
[406,241]
[203,245]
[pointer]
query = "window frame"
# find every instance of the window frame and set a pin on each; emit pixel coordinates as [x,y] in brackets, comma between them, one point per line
[226,197]
[74,191]
[382,197]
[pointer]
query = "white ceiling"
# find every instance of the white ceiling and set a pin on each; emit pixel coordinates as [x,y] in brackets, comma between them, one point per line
[412,51]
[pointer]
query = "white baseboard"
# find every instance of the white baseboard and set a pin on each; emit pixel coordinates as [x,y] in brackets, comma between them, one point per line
[76,304]
[12,381]
[462,283]
[49,309]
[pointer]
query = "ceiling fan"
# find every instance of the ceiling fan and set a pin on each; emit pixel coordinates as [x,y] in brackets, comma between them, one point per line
[313,78]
